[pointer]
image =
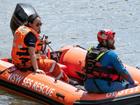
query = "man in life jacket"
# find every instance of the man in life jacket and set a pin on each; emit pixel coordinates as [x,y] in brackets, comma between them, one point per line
[26,50]
[104,70]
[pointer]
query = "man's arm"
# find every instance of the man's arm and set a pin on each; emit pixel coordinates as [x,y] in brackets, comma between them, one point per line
[30,41]
[33,57]
[117,63]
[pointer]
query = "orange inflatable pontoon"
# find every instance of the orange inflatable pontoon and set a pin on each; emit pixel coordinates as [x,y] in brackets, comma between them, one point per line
[56,92]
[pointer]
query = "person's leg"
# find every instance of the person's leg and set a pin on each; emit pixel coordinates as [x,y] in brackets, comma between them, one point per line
[107,86]
[117,86]
[52,68]
[90,85]
[103,86]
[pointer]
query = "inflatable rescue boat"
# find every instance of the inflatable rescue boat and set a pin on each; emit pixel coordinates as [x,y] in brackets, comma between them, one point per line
[47,89]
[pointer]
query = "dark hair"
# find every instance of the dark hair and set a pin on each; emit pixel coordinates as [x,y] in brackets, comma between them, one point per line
[31,18]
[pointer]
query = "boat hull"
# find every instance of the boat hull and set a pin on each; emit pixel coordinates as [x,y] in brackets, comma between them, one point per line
[46,89]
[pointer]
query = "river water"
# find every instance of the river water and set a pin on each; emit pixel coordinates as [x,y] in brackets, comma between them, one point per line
[77,22]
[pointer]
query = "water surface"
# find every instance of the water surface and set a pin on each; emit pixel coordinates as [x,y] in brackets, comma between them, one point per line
[77,22]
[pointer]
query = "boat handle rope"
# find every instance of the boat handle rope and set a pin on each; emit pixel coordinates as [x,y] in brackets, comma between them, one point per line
[10,70]
[60,95]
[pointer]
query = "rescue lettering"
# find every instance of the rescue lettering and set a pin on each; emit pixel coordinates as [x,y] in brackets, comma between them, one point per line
[44,89]
[123,92]
[15,78]
[31,84]
[27,82]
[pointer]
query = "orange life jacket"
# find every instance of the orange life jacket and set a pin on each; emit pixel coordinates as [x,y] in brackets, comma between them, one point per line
[94,69]
[20,54]
[21,57]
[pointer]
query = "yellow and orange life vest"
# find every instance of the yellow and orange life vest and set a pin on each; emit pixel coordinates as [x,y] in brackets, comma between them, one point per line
[94,69]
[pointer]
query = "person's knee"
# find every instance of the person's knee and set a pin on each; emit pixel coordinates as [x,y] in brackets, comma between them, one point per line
[89,85]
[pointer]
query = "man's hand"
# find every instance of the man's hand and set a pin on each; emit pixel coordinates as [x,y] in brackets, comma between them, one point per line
[39,71]
[136,82]
[45,39]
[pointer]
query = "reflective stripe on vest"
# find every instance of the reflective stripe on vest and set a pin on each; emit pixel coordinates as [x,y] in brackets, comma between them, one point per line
[99,56]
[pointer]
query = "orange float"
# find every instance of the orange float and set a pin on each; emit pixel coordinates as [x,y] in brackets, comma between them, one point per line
[74,59]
